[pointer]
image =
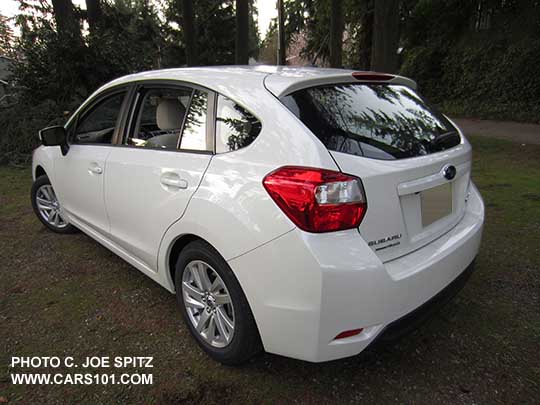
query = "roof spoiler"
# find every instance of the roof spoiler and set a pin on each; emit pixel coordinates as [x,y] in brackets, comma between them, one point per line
[282,88]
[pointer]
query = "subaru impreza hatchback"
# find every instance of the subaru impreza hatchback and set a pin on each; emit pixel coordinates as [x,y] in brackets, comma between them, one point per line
[307,212]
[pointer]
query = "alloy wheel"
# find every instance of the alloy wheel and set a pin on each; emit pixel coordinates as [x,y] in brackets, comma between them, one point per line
[49,207]
[208,303]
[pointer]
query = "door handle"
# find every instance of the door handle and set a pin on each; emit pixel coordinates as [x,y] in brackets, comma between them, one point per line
[94,168]
[171,179]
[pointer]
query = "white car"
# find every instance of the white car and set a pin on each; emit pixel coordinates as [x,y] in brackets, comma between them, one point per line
[307,212]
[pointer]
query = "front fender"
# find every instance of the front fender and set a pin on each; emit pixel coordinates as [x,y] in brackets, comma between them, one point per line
[44,157]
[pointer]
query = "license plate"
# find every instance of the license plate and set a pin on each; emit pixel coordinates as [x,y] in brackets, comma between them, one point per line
[436,203]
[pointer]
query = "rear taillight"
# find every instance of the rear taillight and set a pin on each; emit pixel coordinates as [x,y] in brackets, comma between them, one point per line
[317,200]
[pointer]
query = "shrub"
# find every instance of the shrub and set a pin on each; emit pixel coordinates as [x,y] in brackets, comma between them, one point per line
[20,123]
[495,80]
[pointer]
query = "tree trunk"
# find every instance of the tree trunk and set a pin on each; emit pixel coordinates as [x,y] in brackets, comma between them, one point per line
[336,33]
[66,20]
[93,10]
[189,33]
[384,56]
[365,40]
[282,47]
[242,32]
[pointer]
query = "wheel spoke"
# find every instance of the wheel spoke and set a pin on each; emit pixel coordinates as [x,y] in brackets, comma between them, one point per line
[62,220]
[192,291]
[46,194]
[223,316]
[44,202]
[217,285]
[44,207]
[211,331]
[222,326]
[222,299]
[201,277]
[193,303]
[56,222]
[53,194]
[203,320]
[196,277]
[204,275]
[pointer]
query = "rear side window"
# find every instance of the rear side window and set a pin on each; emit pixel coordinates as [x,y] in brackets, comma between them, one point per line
[160,119]
[172,119]
[236,127]
[379,121]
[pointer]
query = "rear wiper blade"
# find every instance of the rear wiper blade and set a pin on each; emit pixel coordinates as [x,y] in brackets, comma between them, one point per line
[440,139]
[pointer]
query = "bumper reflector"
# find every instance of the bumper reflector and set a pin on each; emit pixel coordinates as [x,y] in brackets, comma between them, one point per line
[349,333]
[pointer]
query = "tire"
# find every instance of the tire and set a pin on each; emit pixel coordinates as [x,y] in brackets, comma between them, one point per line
[57,223]
[244,342]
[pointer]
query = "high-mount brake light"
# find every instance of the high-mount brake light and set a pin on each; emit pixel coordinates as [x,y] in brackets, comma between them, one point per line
[317,200]
[372,76]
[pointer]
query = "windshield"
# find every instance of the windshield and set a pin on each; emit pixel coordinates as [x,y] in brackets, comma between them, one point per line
[381,121]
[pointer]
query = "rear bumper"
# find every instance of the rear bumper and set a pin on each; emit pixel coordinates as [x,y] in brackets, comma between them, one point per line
[409,322]
[304,289]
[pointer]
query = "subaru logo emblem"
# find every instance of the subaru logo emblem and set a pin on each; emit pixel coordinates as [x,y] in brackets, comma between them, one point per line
[449,172]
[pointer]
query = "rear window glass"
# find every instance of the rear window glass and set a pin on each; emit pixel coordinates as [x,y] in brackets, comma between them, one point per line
[379,121]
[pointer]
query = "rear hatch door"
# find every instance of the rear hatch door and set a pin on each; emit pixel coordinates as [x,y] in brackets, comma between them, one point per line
[410,202]
[413,162]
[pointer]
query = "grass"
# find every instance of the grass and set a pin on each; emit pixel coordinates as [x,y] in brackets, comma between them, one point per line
[68,296]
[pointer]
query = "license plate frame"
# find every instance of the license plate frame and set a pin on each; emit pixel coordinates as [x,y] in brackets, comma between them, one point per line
[436,203]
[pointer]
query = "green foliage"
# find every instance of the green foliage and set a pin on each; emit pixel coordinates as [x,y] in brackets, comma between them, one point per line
[214,31]
[55,73]
[311,19]
[6,37]
[477,58]
[487,72]
[67,68]
[50,67]
[215,28]
[497,80]
[20,124]
[435,23]
[128,39]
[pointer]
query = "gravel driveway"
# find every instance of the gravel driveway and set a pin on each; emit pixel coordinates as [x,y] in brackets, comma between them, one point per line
[513,131]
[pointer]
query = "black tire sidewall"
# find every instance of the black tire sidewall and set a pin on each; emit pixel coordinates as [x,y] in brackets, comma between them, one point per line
[246,341]
[41,181]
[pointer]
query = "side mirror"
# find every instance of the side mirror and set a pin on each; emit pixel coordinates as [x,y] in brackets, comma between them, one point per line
[55,136]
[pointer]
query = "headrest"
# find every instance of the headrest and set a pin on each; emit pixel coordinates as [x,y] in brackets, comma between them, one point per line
[169,114]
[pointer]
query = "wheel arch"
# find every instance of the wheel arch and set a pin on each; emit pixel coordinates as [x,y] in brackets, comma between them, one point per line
[40,171]
[174,251]
[43,162]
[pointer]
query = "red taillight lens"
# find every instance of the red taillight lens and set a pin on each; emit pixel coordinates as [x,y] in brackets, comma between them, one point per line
[317,200]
